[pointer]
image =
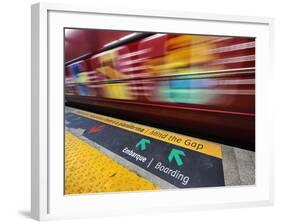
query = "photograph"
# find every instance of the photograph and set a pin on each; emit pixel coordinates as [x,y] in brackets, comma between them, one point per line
[150,111]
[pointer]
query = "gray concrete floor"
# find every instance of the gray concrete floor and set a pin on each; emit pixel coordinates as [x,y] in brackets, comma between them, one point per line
[238,166]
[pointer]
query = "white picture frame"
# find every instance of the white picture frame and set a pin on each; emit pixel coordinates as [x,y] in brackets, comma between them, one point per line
[48,200]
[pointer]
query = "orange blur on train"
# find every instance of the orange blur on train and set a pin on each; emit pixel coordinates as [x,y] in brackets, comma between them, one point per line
[198,85]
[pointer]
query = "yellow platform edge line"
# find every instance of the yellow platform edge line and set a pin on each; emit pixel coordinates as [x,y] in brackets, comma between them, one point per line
[87,170]
[191,143]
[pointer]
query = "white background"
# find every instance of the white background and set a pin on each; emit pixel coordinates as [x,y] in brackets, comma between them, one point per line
[15,111]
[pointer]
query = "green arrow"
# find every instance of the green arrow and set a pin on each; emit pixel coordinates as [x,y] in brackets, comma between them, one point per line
[142,143]
[175,153]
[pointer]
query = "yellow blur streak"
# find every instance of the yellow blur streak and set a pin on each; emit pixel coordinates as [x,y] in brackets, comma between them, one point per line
[82,78]
[117,91]
[87,170]
[110,72]
[186,40]
[182,52]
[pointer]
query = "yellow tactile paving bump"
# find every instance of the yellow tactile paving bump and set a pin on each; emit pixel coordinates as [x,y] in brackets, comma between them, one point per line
[87,170]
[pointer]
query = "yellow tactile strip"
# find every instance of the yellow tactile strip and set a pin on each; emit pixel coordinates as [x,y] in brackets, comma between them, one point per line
[87,170]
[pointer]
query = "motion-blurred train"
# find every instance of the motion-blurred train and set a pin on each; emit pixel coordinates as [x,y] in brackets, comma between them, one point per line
[202,86]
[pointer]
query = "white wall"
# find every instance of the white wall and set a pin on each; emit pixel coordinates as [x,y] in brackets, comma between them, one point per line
[15,112]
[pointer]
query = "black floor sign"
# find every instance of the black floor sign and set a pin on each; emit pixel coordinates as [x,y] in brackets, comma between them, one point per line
[181,166]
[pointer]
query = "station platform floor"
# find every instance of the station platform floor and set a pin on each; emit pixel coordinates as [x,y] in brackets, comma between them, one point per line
[105,154]
[87,170]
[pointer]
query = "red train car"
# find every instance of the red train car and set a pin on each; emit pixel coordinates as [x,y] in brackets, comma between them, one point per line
[198,85]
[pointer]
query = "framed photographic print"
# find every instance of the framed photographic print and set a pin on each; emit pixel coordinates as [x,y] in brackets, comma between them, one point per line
[148,111]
